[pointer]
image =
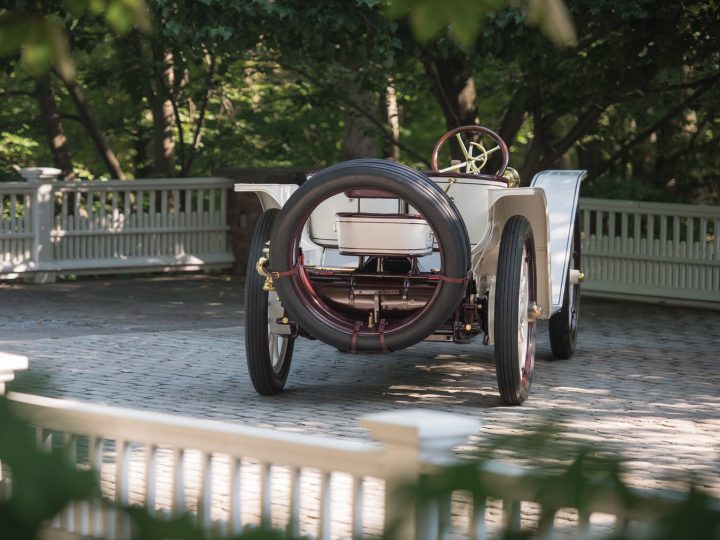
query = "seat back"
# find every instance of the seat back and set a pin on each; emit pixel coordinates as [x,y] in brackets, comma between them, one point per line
[471,199]
[322,220]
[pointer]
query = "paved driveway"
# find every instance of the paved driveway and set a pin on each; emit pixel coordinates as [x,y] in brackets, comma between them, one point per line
[645,381]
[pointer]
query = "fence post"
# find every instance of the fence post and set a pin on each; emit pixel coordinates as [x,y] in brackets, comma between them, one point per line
[9,364]
[43,212]
[412,438]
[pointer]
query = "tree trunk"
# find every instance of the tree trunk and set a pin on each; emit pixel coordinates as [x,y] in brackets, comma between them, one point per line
[164,119]
[194,145]
[52,125]
[453,85]
[88,121]
[360,139]
[393,119]
[535,152]
[514,117]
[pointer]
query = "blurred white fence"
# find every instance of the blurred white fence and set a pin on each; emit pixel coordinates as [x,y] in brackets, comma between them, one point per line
[49,227]
[229,477]
[651,250]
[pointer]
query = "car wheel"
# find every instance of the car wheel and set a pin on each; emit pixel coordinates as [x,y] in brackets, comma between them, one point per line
[267,352]
[563,325]
[515,297]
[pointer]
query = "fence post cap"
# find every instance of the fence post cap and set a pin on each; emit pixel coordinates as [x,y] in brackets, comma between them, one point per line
[39,174]
[9,364]
[434,433]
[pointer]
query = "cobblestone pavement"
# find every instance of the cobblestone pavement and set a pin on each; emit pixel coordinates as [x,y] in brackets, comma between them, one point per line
[644,383]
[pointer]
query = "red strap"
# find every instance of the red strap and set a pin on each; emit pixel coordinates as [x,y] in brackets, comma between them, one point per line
[353,340]
[381,333]
[299,264]
[461,280]
[278,275]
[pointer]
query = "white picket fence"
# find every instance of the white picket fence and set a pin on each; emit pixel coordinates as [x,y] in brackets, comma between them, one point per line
[651,250]
[49,227]
[230,477]
[666,252]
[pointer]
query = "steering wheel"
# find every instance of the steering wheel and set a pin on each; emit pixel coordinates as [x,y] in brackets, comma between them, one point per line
[475,154]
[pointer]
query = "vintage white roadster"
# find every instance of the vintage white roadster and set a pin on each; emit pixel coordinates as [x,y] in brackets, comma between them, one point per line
[371,256]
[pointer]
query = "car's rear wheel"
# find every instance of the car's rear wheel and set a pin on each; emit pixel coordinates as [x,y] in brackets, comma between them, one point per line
[268,352]
[515,298]
[563,325]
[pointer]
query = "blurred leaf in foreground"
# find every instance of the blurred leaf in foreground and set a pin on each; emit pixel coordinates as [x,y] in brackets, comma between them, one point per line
[464,18]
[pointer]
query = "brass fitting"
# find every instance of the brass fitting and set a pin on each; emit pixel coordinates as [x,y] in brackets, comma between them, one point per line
[262,268]
[534,312]
[512,176]
[576,276]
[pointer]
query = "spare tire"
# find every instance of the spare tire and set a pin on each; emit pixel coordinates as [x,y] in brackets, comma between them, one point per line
[308,310]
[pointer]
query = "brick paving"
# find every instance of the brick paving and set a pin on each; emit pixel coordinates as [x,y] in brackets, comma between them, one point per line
[644,383]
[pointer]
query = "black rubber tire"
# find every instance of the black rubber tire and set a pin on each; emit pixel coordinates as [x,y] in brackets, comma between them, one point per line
[421,193]
[563,325]
[513,381]
[266,380]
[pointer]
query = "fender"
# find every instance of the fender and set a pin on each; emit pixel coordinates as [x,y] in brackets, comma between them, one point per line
[275,196]
[562,189]
[270,195]
[531,203]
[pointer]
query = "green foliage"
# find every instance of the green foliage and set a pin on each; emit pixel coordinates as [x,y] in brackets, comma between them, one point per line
[121,15]
[15,149]
[275,83]
[465,19]
[429,17]
[41,37]
[42,483]
[566,475]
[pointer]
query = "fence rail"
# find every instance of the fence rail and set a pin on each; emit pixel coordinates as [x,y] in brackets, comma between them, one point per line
[653,250]
[50,227]
[229,477]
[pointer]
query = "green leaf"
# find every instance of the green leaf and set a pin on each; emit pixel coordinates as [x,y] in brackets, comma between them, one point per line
[14,29]
[123,15]
[429,17]
[554,20]
[119,17]
[77,7]
[43,483]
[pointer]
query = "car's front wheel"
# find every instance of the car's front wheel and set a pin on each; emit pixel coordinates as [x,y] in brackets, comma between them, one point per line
[515,301]
[268,345]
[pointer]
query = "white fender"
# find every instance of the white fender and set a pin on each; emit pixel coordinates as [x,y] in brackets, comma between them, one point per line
[530,203]
[275,196]
[270,195]
[562,189]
